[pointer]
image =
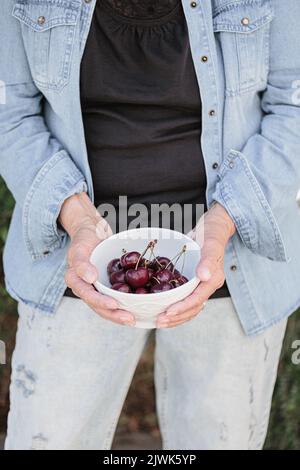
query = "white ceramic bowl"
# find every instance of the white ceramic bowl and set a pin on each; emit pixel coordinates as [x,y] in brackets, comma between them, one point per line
[146,307]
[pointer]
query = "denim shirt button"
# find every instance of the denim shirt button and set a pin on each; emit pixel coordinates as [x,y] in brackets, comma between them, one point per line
[215,165]
[231,164]
[204,58]
[41,20]
[87,1]
[245,21]
[193,4]
[233,267]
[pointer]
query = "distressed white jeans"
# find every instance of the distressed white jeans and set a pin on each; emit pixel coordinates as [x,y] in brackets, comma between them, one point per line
[71,373]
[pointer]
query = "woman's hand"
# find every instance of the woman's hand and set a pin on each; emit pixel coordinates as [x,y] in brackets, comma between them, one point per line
[212,233]
[87,229]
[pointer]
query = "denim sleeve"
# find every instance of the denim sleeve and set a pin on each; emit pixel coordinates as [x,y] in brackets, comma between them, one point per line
[37,170]
[258,184]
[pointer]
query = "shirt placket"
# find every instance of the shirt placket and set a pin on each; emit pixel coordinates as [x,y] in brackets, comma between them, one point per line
[211,86]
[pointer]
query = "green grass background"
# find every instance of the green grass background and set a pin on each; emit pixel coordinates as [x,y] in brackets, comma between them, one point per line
[139,410]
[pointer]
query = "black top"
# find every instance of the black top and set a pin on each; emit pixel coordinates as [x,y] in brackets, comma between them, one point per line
[142,109]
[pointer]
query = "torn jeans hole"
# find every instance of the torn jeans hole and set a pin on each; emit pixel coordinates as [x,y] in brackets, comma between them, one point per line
[39,442]
[25,381]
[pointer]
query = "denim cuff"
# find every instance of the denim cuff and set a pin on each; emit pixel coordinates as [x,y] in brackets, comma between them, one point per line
[238,190]
[58,179]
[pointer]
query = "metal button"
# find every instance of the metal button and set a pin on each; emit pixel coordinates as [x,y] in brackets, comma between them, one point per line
[212,112]
[233,267]
[87,1]
[193,4]
[245,21]
[41,20]
[215,165]
[204,58]
[231,164]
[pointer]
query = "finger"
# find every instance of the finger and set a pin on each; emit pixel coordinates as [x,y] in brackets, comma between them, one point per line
[121,317]
[211,255]
[79,260]
[195,300]
[87,271]
[88,293]
[103,305]
[166,322]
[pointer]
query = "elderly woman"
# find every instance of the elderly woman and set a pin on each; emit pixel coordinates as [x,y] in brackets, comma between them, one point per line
[193,103]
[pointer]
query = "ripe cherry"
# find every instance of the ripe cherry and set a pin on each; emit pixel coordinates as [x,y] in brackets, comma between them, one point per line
[182,280]
[163,286]
[121,287]
[176,273]
[113,265]
[142,290]
[161,262]
[117,276]
[130,259]
[150,273]
[137,277]
[163,275]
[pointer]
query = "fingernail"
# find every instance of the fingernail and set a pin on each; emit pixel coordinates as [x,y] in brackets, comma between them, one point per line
[162,323]
[89,277]
[129,323]
[127,320]
[171,313]
[204,273]
[112,304]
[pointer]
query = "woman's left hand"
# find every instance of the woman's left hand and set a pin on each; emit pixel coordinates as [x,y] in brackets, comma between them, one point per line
[212,232]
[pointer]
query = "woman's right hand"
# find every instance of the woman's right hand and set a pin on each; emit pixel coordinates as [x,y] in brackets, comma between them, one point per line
[87,229]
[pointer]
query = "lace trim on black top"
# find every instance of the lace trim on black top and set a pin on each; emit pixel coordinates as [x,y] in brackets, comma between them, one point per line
[143,9]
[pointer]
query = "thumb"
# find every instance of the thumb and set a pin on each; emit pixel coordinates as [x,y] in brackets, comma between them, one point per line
[211,254]
[206,269]
[82,265]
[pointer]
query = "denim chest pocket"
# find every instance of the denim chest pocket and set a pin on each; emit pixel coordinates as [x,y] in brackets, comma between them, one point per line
[243,30]
[48,29]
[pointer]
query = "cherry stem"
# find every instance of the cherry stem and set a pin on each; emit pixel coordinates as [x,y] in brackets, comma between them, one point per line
[149,246]
[176,257]
[151,253]
[183,262]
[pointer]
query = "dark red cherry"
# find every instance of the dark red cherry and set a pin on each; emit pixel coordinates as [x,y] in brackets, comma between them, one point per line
[163,286]
[137,277]
[182,280]
[121,287]
[150,272]
[176,273]
[152,265]
[117,276]
[113,265]
[142,290]
[130,259]
[163,275]
[163,262]
[143,262]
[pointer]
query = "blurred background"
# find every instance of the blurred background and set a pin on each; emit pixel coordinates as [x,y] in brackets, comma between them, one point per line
[138,427]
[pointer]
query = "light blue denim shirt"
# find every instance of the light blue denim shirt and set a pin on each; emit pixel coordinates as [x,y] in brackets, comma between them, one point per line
[247,60]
